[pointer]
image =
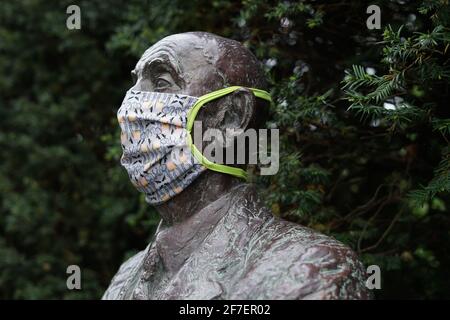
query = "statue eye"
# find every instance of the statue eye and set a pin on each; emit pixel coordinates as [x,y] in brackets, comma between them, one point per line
[162,83]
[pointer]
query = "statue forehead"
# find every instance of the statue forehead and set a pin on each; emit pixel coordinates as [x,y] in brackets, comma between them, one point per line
[183,51]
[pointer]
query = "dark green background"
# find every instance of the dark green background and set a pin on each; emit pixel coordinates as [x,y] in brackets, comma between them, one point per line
[381,187]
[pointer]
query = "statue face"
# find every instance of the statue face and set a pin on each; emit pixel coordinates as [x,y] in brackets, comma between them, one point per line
[199,63]
[182,63]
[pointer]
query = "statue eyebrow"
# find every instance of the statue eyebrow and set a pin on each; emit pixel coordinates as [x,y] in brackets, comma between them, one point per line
[164,62]
[166,54]
[158,64]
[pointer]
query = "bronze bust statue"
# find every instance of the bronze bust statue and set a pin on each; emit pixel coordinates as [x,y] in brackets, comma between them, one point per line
[216,240]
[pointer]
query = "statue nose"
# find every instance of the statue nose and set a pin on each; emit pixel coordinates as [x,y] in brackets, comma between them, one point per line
[137,87]
[142,85]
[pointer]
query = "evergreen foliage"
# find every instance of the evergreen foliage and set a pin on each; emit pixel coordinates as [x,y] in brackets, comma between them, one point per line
[363,118]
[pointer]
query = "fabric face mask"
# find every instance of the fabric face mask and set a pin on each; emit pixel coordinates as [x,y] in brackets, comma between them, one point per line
[158,152]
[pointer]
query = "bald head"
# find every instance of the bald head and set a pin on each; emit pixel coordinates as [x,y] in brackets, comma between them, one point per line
[235,63]
[196,63]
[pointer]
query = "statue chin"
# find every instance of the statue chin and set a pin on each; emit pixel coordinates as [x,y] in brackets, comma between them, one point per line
[216,239]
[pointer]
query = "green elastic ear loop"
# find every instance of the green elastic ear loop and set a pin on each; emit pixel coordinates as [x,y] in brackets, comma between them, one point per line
[237,172]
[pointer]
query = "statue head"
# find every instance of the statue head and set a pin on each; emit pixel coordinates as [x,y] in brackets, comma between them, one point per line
[196,63]
[167,77]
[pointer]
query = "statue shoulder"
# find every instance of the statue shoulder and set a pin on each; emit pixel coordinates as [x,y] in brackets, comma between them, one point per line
[124,276]
[330,268]
[300,263]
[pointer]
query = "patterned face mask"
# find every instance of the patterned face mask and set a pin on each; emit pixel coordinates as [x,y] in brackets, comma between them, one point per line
[158,152]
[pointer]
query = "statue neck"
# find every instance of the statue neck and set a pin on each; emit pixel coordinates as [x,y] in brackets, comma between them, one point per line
[206,189]
[191,216]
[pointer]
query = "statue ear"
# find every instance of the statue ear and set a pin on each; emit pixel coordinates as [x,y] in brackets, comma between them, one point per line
[237,112]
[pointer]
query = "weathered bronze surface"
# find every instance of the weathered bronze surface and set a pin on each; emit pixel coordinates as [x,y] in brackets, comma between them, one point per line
[216,240]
